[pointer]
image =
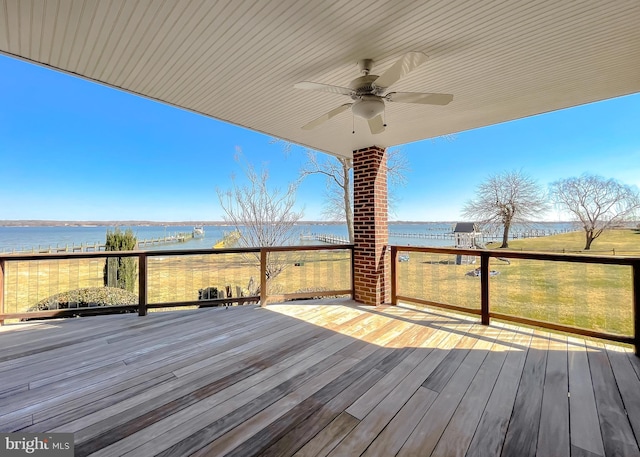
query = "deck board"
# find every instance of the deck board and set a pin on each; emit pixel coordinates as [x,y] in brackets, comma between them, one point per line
[288,443]
[317,378]
[367,430]
[553,436]
[586,437]
[459,432]
[203,415]
[522,434]
[428,431]
[176,390]
[628,383]
[139,417]
[617,434]
[327,439]
[394,435]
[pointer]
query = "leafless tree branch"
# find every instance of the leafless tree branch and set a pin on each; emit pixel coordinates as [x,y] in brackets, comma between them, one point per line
[504,199]
[597,203]
[264,216]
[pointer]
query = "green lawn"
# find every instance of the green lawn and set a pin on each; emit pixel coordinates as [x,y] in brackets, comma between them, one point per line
[613,241]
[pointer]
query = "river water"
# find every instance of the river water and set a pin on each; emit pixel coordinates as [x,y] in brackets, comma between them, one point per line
[42,237]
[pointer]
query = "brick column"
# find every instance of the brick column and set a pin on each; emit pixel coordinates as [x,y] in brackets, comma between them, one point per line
[371,233]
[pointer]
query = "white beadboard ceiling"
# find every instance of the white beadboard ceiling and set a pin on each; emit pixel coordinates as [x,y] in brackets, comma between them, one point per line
[237,60]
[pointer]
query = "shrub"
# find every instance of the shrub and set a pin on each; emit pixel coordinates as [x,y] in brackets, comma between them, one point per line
[88,297]
[121,272]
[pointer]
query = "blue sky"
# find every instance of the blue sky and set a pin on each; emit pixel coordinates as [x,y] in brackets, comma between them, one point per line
[75,150]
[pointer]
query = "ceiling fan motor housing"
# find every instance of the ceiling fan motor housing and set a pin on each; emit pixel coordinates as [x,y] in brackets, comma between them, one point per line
[366,85]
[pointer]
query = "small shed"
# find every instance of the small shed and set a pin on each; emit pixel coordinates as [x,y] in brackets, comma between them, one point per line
[467,235]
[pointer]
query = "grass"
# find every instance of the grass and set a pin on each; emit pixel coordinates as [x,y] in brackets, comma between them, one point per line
[591,296]
[612,242]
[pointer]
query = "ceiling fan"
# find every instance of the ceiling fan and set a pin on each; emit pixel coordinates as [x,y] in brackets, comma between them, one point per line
[369,92]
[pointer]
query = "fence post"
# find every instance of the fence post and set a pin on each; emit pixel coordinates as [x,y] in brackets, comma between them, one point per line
[484,287]
[353,274]
[263,277]
[394,272]
[1,290]
[142,284]
[636,308]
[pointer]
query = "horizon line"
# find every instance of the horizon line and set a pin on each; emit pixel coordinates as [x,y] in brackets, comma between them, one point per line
[117,222]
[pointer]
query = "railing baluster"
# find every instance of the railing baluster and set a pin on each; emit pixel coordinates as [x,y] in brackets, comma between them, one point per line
[636,307]
[484,287]
[353,274]
[142,284]
[394,276]
[1,290]
[263,277]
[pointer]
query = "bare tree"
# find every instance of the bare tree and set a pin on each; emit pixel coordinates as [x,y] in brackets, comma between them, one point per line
[597,203]
[504,199]
[338,173]
[262,215]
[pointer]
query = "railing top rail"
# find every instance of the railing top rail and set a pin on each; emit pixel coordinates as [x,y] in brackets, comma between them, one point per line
[105,254]
[527,255]
[167,252]
[315,247]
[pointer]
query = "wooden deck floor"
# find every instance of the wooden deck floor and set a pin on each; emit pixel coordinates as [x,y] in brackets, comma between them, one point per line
[317,378]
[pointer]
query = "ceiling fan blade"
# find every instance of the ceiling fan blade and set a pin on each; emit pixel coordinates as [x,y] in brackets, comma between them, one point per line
[308,85]
[376,125]
[403,66]
[415,97]
[325,117]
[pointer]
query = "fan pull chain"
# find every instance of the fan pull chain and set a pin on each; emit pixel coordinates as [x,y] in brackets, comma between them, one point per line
[353,123]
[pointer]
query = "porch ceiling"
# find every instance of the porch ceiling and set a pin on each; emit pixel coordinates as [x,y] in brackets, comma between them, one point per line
[237,61]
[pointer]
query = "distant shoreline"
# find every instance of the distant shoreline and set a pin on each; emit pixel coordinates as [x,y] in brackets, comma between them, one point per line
[48,223]
[55,223]
[51,223]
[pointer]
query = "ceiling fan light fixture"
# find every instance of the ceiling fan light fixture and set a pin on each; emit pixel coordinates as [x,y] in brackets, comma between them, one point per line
[368,107]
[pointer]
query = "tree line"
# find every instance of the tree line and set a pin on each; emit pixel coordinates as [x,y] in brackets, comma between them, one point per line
[503,199]
[512,197]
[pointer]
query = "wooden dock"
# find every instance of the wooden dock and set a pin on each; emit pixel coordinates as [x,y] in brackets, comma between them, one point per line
[492,236]
[423,235]
[326,377]
[325,238]
[97,247]
[177,238]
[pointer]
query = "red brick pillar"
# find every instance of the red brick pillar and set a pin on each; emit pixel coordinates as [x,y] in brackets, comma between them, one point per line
[371,233]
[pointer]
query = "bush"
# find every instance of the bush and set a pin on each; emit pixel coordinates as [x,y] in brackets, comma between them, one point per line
[121,272]
[87,298]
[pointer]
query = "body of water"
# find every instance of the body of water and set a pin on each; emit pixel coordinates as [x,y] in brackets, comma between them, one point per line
[36,238]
